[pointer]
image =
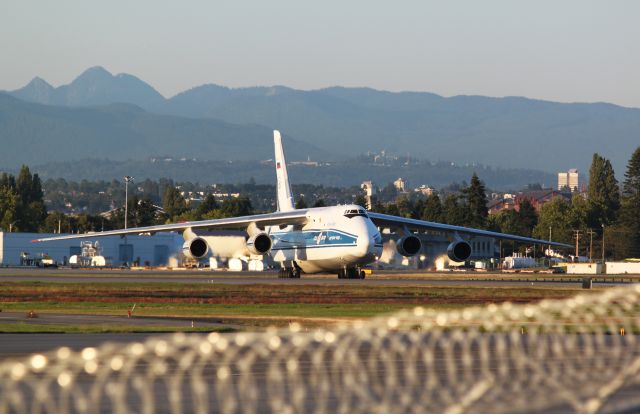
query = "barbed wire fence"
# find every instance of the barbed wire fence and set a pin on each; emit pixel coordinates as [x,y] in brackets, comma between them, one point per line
[577,355]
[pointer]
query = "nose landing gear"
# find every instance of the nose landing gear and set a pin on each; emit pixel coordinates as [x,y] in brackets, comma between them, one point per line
[351,273]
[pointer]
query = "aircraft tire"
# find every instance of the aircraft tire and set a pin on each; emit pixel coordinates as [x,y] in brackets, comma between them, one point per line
[353,273]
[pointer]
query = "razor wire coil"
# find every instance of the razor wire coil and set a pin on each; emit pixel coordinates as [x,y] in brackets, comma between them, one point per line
[557,356]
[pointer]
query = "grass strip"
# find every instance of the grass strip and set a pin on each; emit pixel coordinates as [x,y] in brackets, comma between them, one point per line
[298,310]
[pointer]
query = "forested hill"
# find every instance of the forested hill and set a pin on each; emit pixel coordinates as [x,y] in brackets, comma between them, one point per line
[36,134]
[343,173]
[511,132]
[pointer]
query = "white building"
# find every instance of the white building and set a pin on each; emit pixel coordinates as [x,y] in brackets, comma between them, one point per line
[153,250]
[425,190]
[400,185]
[370,192]
[569,180]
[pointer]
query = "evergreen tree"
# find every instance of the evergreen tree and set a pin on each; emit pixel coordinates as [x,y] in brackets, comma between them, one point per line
[418,205]
[404,206]
[432,210]
[603,193]
[235,207]
[476,198]
[454,213]
[208,205]
[301,204]
[173,203]
[319,203]
[31,211]
[8,181]
[142,212]
[392,208]
[630,211]
[527,217]
[9,201]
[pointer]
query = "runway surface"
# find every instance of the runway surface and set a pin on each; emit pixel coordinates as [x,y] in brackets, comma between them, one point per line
[246,278]
[378,364]
[21,345]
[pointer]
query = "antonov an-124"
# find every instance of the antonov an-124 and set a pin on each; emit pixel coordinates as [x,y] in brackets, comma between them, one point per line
[339,239]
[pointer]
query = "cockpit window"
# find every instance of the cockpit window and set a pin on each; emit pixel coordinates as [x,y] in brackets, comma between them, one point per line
[354,213]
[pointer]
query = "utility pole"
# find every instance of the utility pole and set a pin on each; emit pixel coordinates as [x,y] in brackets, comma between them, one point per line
[577,236]
[603,244]
[591,232]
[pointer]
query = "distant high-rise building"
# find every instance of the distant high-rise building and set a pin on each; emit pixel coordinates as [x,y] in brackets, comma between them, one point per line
[400,184]
[370,192]
[568,180]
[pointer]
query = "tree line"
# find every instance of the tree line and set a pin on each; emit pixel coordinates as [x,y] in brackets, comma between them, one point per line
[608,210]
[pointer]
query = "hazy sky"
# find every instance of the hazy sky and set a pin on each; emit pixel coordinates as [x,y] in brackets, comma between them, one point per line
[560,50]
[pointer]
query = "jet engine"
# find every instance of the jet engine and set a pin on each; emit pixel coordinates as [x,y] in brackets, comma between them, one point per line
[459,251]
[259,244]
[408,245]
[195,248]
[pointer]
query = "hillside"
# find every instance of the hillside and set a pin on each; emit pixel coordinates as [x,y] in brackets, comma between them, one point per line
[329,174]
[512,132]
[35,134]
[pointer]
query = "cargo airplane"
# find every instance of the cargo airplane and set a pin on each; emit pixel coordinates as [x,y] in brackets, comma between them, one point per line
[339,239]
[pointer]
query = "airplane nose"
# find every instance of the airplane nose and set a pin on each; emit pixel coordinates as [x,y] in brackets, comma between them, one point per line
[367,245]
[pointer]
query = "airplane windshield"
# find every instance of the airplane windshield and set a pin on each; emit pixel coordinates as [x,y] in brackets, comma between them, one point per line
[354,213]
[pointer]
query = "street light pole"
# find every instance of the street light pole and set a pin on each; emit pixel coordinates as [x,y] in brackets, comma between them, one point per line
[127,180]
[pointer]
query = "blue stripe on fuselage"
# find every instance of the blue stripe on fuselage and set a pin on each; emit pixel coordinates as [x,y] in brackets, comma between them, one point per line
[313,239]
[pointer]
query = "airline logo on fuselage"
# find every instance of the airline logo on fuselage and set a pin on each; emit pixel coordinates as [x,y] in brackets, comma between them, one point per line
[313,238]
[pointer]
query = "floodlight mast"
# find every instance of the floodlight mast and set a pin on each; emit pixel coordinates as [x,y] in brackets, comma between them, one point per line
[127,180]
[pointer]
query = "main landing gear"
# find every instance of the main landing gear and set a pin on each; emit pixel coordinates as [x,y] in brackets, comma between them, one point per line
[289,273]
[351,273]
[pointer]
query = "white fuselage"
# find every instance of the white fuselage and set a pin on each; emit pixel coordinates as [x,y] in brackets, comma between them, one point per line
[330,240]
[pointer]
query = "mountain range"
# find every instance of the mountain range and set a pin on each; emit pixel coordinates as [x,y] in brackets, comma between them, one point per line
[510,132]
[32,133]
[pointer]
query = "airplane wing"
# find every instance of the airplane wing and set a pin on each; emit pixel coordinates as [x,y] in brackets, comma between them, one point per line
[386,220]
[260,220]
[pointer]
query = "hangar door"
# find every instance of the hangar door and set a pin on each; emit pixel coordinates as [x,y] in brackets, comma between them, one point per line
[160,255]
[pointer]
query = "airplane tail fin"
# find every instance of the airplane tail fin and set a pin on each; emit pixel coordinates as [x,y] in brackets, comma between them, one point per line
[285,198]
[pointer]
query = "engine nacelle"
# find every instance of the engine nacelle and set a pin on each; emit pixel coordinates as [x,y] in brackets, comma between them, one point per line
[409,246]
[259,244]
[195,248]
[459,251]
